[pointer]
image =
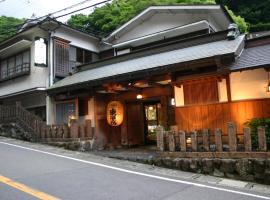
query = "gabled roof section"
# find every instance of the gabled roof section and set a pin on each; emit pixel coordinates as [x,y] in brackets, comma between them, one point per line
[217,11]
[47,23]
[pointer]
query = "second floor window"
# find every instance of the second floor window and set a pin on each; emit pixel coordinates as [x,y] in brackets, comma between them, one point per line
[14,66]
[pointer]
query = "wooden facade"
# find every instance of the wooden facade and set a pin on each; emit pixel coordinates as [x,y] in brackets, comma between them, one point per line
[213,116]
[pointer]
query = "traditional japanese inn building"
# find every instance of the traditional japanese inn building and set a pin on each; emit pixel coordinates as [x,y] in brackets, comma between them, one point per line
[182,66]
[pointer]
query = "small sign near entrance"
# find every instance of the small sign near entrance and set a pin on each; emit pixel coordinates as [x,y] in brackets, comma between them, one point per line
[115,113]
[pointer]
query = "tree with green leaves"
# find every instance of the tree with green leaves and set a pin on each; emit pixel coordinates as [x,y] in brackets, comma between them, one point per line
[9,26]
[255,12]
[108,17]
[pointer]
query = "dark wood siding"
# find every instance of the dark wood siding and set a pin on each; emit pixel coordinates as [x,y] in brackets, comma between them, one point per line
[198,92]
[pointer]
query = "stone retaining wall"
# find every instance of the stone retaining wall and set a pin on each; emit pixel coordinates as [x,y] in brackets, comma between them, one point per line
[254,170]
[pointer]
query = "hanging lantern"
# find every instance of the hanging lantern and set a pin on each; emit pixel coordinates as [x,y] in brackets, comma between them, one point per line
[115,113]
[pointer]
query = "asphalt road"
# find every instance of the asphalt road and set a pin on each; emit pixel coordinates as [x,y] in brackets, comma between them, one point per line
[57,175]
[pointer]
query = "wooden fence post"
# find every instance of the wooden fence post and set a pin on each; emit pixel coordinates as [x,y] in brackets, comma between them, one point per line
[232,136]
[262,138]
[194,141]
[205,136]
[247,139]
[88,127]
[171,141]
[218,140]
[66,131]
[160,138]
[183,143]
[74,130]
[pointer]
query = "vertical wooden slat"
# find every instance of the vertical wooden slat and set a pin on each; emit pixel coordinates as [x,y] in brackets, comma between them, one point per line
[262,139]
[160,138]
[247,139]
[218,140]
[232,130]
[205,136]
[171,141]
[183,144]
[194,141]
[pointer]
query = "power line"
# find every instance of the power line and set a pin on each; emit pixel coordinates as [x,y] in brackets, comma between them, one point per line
[94,5]
[36,19]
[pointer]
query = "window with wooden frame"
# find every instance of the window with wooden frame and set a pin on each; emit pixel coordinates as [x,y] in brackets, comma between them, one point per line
[83,56]
[61,57]
[15,66]
[200,91]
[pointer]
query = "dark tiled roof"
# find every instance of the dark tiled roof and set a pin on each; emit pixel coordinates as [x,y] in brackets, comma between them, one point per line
[253,57]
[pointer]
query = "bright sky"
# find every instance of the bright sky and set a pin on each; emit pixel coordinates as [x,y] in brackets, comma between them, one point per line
[26,8]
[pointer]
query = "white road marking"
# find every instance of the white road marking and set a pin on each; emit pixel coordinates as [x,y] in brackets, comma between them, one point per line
[141,174]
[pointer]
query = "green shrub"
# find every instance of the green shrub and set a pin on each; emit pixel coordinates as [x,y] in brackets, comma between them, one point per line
[254,124]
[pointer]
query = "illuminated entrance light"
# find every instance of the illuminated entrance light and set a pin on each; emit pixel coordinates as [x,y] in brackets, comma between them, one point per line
[139,96]
[173,101]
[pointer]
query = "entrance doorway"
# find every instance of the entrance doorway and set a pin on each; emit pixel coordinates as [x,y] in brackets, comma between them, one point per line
[151,120]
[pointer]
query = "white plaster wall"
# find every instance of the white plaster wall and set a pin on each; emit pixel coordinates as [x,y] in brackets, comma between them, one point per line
[179,96]
[78,40]
[38,77]
[162,21]
[250,84]
[222,91]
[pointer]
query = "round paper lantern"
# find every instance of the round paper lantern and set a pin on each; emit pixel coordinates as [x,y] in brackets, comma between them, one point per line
[115,113]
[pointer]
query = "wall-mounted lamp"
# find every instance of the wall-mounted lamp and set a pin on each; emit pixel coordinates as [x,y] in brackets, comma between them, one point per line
[151,108]
[268,86]
[139,96]
[173,101]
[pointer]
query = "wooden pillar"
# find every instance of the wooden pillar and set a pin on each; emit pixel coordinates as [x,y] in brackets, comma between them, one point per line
[247,139]
[160,138]
[194,141]
[171,141]
[218,140]
[232,136]
[205,136]
[183,144]
[262,138]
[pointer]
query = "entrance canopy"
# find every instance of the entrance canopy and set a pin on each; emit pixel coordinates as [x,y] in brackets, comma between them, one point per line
[149,63]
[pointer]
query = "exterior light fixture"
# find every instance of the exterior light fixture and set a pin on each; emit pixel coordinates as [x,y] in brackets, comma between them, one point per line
[268,86]
[115,113]
[139,96]
[173,101]
[188,140]
[151,108]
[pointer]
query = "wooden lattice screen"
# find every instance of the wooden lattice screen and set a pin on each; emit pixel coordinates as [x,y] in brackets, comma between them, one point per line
[61,57]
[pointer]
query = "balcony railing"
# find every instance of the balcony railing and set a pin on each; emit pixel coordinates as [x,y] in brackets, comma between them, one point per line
[19,70]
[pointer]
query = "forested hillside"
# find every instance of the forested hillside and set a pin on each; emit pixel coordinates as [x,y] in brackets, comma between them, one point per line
[8,26]
[250,15]
[255,12]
